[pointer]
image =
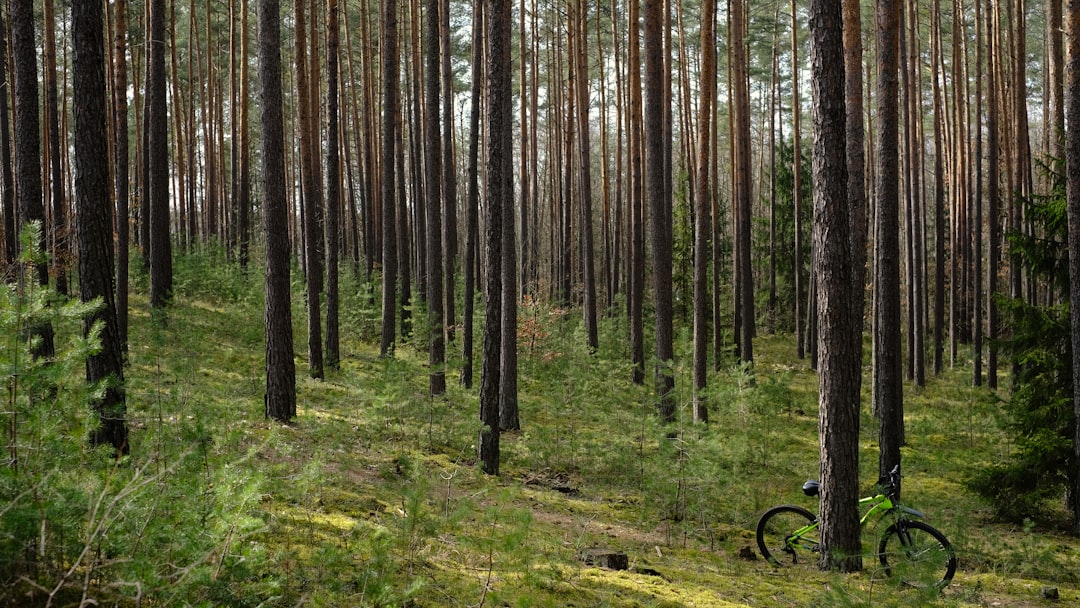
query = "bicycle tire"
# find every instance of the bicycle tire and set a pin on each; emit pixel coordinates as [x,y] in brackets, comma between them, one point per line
[916,554]
[774,531]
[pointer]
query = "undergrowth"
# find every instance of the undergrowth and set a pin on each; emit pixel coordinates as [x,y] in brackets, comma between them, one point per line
[373,497]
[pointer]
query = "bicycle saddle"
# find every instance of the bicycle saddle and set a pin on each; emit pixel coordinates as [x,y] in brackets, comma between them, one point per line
[811,487]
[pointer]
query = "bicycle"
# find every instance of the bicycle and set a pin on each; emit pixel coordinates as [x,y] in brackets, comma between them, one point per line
[911,551]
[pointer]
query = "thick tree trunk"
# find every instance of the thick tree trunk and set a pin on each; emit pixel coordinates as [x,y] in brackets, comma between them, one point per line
[856,171]
[839,360]
[157,125]
[1072,143]
[500,193]
[11,248]
[887,369]
[95,221]
[120,175]
[745,274]
[391,81]
[434,204]
[333,186]
[280,399]
[659,206]
[28,144]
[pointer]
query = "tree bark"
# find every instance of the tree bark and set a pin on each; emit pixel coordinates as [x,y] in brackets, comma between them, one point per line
[855,140]
[472,196]
[1072,143]
[796,112]
[839,360]
[95,222]
[28,144]
[449,174]
[11,247]
[702,209]
[333,186]
[636,217]
[311,194]
[992,188]
[887,371]
[391,82]
[58,230]
[659,206]
[433,194]
[500,192]
[744,194]
[121,165]
[280,398]
[585,173]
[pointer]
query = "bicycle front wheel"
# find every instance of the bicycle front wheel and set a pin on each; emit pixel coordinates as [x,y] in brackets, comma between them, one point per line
[915,554]
[788,535]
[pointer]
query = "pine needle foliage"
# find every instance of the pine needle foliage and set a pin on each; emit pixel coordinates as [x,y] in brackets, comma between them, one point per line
[1038,414]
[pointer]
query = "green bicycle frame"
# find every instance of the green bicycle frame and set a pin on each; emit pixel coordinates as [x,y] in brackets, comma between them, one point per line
[882,505]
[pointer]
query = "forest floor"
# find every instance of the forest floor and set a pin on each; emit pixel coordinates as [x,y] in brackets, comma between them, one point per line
[373,496]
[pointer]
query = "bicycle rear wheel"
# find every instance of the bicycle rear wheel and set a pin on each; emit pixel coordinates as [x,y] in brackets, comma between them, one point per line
[916,555]
[777,539]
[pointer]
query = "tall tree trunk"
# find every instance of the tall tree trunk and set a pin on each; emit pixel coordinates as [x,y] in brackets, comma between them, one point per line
[95,222]
[745,283]
[500,193]
[280,398]
[887,372]
[855,141]
[472,196]
[391,81]
[1072,143]
[659,206]
[939,192]
[58,230]
[333,185]
[1055,102]
[993,55]
[244,202]
[11,252]
[434,203]
[28,145]
[310,192]
[617,232]
[502,171]
[184,207]
[120,150]
[636,219]
[839,360]
[702,209]
[977,318]
[1021,177]
[580,25]
[157,153]
[449,173]
[796,112]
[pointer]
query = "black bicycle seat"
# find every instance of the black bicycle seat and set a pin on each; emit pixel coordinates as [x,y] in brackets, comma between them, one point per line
[811,487]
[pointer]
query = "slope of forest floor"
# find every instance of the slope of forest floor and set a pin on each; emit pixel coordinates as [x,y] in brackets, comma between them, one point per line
[373,496]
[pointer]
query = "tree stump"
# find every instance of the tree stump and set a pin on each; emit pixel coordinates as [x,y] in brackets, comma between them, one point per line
[604,558]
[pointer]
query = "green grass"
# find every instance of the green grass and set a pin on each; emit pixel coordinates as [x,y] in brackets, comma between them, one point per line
[373,496]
